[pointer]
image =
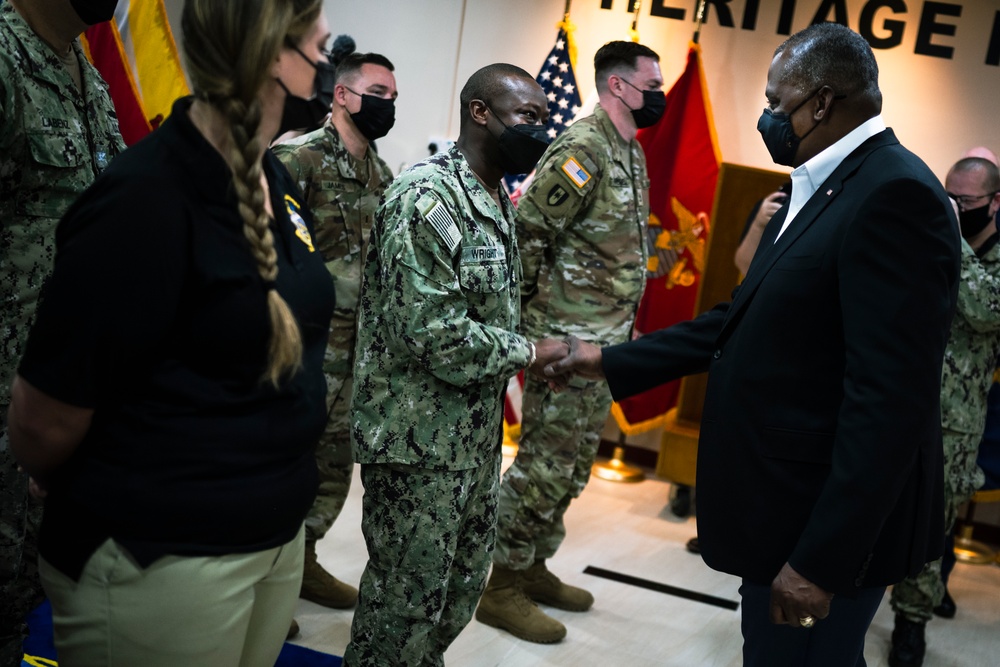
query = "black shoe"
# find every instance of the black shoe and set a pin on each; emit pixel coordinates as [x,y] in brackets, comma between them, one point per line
[680,501]
[908,645]
[692,545]
[947,607]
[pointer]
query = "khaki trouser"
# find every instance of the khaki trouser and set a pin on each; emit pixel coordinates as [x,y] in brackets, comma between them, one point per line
[206,611]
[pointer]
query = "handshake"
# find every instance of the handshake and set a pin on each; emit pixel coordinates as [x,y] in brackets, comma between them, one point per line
[556,361]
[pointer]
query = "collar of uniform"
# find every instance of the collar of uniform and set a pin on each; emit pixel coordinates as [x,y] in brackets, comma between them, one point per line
[478,195]
[42,63]
[620,149]
[348,166]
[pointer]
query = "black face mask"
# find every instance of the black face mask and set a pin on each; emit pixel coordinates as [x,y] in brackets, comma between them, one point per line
[654,103]
[521,146]
[779,137]
[308,114]
[376,116]
[974,220]
[93,12]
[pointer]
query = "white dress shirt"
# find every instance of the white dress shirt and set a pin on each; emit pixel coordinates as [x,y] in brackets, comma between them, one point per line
[807,177]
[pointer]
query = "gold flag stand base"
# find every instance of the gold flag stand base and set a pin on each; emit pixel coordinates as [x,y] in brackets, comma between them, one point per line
[511,433]
[616,470]
[968,550]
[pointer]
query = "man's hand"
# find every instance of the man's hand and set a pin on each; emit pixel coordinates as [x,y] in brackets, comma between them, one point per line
[768,207]
[37,489]
[584,359]
[547,350]
[793,598]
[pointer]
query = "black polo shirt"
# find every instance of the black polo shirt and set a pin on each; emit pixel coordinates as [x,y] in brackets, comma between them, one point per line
[156,318]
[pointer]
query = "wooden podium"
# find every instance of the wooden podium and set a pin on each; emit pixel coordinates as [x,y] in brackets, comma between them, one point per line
[739,188]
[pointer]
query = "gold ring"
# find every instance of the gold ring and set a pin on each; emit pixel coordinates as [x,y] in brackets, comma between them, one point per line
[807,621]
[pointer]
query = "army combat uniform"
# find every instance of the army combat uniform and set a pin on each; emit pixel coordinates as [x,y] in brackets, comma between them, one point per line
[969,362]
[54,140]
[343,193]
[437,343]
[582,230]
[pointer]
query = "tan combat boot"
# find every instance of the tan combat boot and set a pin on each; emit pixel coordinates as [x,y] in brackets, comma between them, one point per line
[323,588]
[504,605]
[545,588]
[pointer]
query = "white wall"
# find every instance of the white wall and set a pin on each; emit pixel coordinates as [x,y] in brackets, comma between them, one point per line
[939,107]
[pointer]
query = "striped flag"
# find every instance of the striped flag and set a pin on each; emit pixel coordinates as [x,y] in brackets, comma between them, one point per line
[558,82]
[137,56]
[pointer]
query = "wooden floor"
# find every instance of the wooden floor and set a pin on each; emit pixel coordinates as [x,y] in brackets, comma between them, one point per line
[627,528]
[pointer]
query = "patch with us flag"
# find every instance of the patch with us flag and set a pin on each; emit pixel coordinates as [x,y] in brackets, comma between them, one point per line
[435,213]
[576,172]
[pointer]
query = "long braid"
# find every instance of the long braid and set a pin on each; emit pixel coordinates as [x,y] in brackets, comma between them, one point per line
[229,46]
[285,349]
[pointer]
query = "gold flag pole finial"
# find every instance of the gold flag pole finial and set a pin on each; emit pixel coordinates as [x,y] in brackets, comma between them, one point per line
[568,26]
[700,19]
[634,31]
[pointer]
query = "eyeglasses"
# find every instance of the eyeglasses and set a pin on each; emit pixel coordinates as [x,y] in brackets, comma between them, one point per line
[965,200]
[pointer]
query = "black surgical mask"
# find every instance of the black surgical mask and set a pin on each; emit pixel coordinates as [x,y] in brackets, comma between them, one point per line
[93,12]
[654,103]
[376,116]
[308,114]
[974,220]
[779,137]
[521,146]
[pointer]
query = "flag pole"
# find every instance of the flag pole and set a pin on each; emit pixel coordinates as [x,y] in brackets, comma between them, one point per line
[700,19]
[634,31]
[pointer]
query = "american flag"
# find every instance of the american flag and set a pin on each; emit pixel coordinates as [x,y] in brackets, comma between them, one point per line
[559,83]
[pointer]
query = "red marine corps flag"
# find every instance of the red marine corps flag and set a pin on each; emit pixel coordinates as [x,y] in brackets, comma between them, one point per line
[682,158]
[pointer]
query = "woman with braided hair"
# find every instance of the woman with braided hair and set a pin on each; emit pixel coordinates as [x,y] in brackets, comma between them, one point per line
[171,390]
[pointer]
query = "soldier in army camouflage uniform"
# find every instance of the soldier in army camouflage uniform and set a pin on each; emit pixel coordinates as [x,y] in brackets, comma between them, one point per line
[582,230]
[58,130]
[342,181]
[437,342]
[969,362]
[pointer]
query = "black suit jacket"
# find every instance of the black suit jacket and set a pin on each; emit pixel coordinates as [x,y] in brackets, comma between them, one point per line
[821,433]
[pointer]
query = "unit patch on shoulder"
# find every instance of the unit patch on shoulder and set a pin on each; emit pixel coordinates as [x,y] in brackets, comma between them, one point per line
[301,230]
[557,195]
[576,173]
[435,213]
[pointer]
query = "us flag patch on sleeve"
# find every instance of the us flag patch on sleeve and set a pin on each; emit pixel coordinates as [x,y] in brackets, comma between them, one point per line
[435,213]
[576,173]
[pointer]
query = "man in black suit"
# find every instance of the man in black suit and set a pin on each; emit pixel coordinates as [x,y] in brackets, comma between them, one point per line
[820,464]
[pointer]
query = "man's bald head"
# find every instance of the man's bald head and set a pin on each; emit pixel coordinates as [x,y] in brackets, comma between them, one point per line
[982,152]
[489,83]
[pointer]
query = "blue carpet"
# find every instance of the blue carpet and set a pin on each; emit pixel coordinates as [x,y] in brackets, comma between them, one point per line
[40,651]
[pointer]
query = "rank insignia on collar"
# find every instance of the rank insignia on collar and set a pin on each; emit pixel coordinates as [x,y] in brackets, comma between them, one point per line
[293,208]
